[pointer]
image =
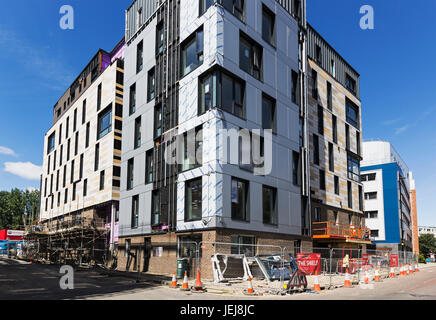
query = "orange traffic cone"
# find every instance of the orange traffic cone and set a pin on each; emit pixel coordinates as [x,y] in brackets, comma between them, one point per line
[347,282]
[316,287]
[198,285]
[366,279]
[392,275]
[377,275]
[410,269]
[174,281]
[416,267]
[401,271]
[250,290]
[185,286]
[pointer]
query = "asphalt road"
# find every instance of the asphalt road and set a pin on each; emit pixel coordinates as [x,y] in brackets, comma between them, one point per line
[20,280]
[23,281]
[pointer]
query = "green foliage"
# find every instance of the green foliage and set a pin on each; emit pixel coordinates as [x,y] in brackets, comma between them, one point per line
[14,204]
[421,259]
[427,244]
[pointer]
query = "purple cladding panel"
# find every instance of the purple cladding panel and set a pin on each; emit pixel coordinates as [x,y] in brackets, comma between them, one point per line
[105,60]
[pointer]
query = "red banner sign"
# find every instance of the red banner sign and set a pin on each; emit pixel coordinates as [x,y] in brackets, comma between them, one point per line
[394,260]
[309,263]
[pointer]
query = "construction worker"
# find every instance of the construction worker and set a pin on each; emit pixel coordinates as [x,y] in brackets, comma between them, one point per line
[346,262]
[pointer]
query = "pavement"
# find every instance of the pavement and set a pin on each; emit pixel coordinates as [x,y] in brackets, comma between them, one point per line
[21,281]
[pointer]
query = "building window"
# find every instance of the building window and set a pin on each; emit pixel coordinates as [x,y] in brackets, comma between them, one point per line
[331,158]
[360,198]
[269,117]
[329,96]
[236,7]
[51,142]
[317,214]
[369,177]
[64,180]
[104,122]
[296,168]
[371,196]
[315,149]
[67,128]
[314,84]
[352,113]
[66,196]
[269,200]
[68,149]
[335,128]
[347,137]
[243,245]
[192,149]
[193,200]
[371,214]
[353,168]
[205,4]
[76,144]
[333,68]
[268,25]
[102,180]
[322,179]
[97,156]
[74,191]
[88,126]
[251,151]
[192,52]
[160,39]
[320,120]
[85,187]
[72,172]
[318,54]
[295,88]
[337,192]
[137,133]
[222,90]
[151,85]
[132,99]
[350,84]
[139,56]
[158,121]
[240,200]
[250,57]
[350,195]
[374,233]
[99,97]
[130,169]
[155,208]
[75,121]
[149,167]
[60,133]
[81,167]
[135,212]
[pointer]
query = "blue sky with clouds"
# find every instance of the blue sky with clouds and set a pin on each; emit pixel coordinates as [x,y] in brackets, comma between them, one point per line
[396,61]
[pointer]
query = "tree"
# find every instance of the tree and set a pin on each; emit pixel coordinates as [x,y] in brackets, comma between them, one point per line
[14,204]
[427,244]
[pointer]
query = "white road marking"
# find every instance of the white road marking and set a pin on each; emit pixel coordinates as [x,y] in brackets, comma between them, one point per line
[29,290]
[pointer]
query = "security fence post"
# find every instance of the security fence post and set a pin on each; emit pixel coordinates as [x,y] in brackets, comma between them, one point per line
[330,267]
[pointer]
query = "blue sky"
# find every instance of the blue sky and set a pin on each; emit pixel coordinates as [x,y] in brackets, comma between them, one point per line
[38,62]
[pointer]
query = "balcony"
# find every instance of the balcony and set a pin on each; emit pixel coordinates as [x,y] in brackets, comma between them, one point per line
[331,230]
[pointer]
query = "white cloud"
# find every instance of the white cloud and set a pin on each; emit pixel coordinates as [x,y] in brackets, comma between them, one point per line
[7,151]
[25,170]
[31,189]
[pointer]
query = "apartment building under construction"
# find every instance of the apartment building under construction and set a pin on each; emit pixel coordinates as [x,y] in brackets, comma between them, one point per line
[335,134]
[80,183]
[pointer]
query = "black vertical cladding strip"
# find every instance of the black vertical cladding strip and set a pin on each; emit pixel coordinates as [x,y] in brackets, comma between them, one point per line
[167,90]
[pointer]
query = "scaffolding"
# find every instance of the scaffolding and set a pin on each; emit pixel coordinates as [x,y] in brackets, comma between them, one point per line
[78,241]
